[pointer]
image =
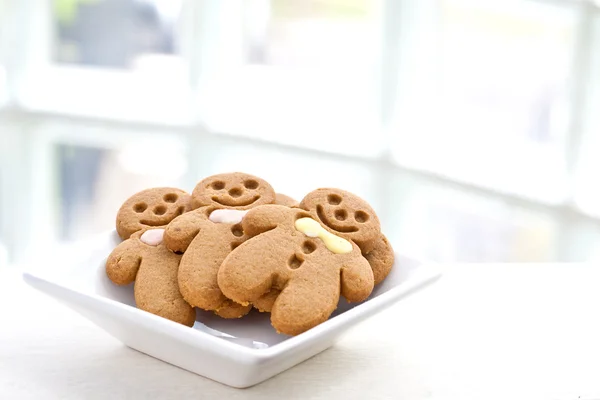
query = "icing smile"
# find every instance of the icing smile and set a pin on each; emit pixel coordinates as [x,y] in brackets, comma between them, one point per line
[233,203]
[332,225]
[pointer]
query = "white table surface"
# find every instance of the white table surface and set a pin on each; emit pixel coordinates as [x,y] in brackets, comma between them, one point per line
[500,331]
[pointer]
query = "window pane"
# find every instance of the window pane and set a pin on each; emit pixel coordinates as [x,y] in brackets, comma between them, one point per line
[5,49]
[3,87]
[94,182]
[313,33]
[505,69]
[310,77]
[503,97]
[115,33]
[443,223]
[587,190]
[89,172]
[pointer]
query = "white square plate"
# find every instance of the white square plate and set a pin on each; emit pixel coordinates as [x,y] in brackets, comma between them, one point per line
[240,352]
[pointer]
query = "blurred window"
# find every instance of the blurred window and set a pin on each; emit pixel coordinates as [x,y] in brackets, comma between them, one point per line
[3,86]
[495,94]
[93,171]
[586,150]
[115,33]
[311,34]
[501,101]
[111,59]
[308,77]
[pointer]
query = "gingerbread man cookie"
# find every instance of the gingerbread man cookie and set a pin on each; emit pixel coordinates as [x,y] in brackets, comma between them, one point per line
[265,303]
[347,215]
[145,259]
[151,208]
[293,258]
[209,233]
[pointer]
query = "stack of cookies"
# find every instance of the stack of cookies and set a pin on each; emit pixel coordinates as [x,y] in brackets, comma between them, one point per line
[234,244]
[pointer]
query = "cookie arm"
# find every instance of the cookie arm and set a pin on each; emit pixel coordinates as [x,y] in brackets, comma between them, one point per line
[123,263]
[356,279]
[381,259]
[182,230]
[264,218]
[246,275]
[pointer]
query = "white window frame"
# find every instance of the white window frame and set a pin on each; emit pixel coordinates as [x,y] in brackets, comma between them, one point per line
[40,85]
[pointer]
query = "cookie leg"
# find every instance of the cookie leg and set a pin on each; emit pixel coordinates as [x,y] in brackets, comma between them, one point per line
[266,301]
[306,302]
[244,277]
[230,310]
[197,281]
[156,289]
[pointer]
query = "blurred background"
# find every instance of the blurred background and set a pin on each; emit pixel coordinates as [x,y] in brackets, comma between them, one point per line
[472,126]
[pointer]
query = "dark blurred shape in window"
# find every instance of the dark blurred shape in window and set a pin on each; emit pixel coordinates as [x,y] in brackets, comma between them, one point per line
[112,33]
[78,173]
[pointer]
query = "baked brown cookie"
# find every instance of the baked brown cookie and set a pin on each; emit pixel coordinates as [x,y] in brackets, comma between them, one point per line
[347,215]
[145,259]
[285,200]
[151,208]
[207,235]
[265,302]
[381,258]
[291,256]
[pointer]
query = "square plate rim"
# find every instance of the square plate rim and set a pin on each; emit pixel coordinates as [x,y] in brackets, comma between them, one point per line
[426,274]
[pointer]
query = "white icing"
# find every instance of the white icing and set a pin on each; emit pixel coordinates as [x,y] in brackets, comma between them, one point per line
[312,228]
[227,216]
[153,237]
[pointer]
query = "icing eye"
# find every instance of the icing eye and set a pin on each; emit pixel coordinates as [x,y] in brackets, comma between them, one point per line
[334,199]
[251,184]
[159,210]
[341,215]
[235,192]
[218,185]
[140,207]
[361,216]
[170,198]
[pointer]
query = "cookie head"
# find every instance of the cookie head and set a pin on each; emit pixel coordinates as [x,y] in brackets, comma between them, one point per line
[151,208]
[232,190]
[344,213]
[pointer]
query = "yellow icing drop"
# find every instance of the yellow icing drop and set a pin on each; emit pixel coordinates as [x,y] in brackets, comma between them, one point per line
[334,243]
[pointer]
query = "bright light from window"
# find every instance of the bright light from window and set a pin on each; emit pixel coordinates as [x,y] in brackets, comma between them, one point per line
[3,256]
[3,83]
[160,158]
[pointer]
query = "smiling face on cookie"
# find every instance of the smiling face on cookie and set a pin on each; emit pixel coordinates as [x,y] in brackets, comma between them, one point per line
[343,213]
[234,190]
[151,208]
